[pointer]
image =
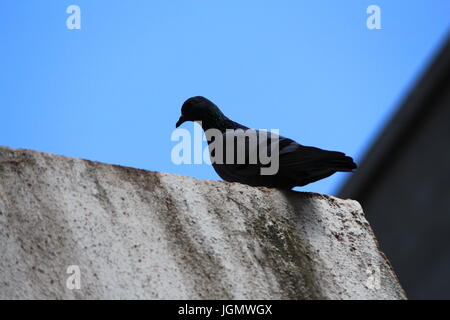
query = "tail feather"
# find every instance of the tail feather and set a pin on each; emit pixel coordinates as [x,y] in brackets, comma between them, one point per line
[344,163]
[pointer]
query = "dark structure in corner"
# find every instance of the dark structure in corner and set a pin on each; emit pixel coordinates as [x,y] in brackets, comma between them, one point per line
[403,185]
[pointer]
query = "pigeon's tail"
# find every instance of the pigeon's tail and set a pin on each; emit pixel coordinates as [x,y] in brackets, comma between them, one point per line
[309,164]
[331,163]
[341,162]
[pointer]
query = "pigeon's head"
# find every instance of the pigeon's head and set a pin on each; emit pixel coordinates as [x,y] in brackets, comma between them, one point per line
[199,109]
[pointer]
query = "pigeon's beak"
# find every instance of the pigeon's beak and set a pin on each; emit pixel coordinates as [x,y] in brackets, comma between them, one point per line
[180,121]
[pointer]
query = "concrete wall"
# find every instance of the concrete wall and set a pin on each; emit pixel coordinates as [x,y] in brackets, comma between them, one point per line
[409,207]
[403,183]
[140,234]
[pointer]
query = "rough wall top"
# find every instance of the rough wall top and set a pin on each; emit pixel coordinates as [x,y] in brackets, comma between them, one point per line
[142,234]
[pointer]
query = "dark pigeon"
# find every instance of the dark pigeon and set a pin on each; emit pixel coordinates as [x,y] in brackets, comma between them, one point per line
[298,164]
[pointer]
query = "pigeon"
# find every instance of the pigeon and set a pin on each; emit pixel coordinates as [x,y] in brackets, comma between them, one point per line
[298,165]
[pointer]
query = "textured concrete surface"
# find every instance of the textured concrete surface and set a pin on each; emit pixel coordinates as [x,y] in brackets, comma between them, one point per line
[142,234]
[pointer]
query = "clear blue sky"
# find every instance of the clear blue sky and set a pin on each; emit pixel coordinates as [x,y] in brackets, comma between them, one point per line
[112,91]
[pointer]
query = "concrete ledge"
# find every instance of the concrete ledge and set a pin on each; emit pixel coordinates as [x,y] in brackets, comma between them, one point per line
[139,234]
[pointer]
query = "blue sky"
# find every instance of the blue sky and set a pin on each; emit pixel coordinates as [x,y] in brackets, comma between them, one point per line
[112,91]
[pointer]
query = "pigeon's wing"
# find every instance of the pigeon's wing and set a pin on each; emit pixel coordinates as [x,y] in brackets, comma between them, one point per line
[309,164]
[293,155]
[244,165]
[298,165]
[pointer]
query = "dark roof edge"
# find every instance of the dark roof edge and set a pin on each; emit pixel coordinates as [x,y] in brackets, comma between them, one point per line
[395,133]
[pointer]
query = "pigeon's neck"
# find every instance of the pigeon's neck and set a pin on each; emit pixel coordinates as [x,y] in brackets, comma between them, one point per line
[217,121]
